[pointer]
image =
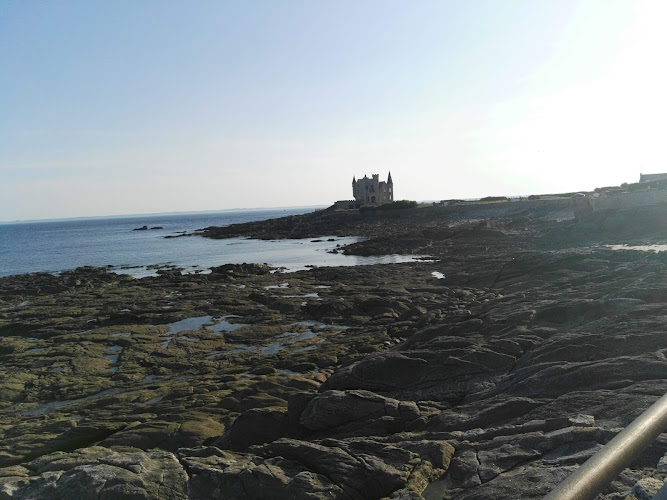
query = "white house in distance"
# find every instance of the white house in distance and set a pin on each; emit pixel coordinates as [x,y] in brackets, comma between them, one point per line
[368,191]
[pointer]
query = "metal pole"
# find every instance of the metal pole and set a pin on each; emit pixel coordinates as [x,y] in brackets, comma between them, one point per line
[599,470]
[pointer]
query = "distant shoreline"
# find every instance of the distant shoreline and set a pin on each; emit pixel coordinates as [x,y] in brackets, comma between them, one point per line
[163,214]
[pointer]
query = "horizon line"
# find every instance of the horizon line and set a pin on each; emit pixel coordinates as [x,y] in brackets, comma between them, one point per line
[149,214]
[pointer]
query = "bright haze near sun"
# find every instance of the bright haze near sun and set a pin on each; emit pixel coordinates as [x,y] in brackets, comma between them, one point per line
[155,106]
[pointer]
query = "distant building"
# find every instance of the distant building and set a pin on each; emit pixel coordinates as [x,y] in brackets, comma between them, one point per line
[368,192]
[346,205]
[652,177]
[371,191]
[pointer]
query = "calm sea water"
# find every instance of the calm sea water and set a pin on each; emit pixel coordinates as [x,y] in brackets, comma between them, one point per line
[55,246]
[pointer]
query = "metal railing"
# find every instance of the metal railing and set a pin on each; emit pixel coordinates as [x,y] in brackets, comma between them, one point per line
[599,470]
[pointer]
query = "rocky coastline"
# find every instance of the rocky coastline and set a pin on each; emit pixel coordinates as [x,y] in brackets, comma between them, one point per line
[491,371]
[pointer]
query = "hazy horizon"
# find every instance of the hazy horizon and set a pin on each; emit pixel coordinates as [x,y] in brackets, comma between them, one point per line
[259,209]
[162,214]
[162,107]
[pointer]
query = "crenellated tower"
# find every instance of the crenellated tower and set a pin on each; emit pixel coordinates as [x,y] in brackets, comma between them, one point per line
[371,191]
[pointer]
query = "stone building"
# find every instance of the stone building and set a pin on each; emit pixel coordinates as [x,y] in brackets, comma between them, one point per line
[371,191]
[652,177]
[368,192]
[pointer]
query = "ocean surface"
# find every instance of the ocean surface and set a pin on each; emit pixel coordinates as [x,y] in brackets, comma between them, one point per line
[61,245]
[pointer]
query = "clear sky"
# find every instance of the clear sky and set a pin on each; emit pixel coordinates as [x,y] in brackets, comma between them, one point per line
[133,106]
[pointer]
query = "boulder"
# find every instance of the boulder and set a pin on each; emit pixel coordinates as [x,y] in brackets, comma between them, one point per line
[333,409]
[257,426]
[97,473]
[385,371]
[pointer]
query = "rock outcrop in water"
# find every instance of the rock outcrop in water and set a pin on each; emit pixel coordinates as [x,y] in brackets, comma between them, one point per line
[494,381]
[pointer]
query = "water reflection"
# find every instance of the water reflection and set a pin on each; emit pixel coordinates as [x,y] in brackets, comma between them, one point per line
[288,255]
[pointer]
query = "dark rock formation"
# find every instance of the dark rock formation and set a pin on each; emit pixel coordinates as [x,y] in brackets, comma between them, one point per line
[495,381]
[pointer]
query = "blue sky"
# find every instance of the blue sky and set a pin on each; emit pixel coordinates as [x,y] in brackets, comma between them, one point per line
[148,106]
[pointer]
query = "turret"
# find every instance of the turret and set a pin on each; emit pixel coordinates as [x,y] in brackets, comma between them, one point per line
[354,180]
[389,181]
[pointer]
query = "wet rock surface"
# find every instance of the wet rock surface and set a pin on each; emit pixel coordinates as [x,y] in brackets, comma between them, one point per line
[530,347]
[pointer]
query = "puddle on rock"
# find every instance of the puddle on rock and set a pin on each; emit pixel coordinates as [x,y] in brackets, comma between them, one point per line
[304,296]
[642,248]
[222,325]
[438,275]
[188,324]
[273,348]
[122,334]
[273,287]
[114,357]
[284,340]
[289,338]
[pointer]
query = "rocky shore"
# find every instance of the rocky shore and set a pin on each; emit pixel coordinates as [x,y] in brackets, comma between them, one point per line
[492,371]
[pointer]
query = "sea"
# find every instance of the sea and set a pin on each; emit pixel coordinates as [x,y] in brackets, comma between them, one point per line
[114,242]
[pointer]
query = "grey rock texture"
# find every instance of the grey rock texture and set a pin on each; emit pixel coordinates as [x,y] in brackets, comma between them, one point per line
[98,473]
[496,381]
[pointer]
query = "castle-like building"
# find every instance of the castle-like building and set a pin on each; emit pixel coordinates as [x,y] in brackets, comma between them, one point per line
[371,191]
[368,192]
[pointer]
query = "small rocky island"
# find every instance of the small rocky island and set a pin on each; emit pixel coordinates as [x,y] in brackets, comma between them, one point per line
[489,371]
